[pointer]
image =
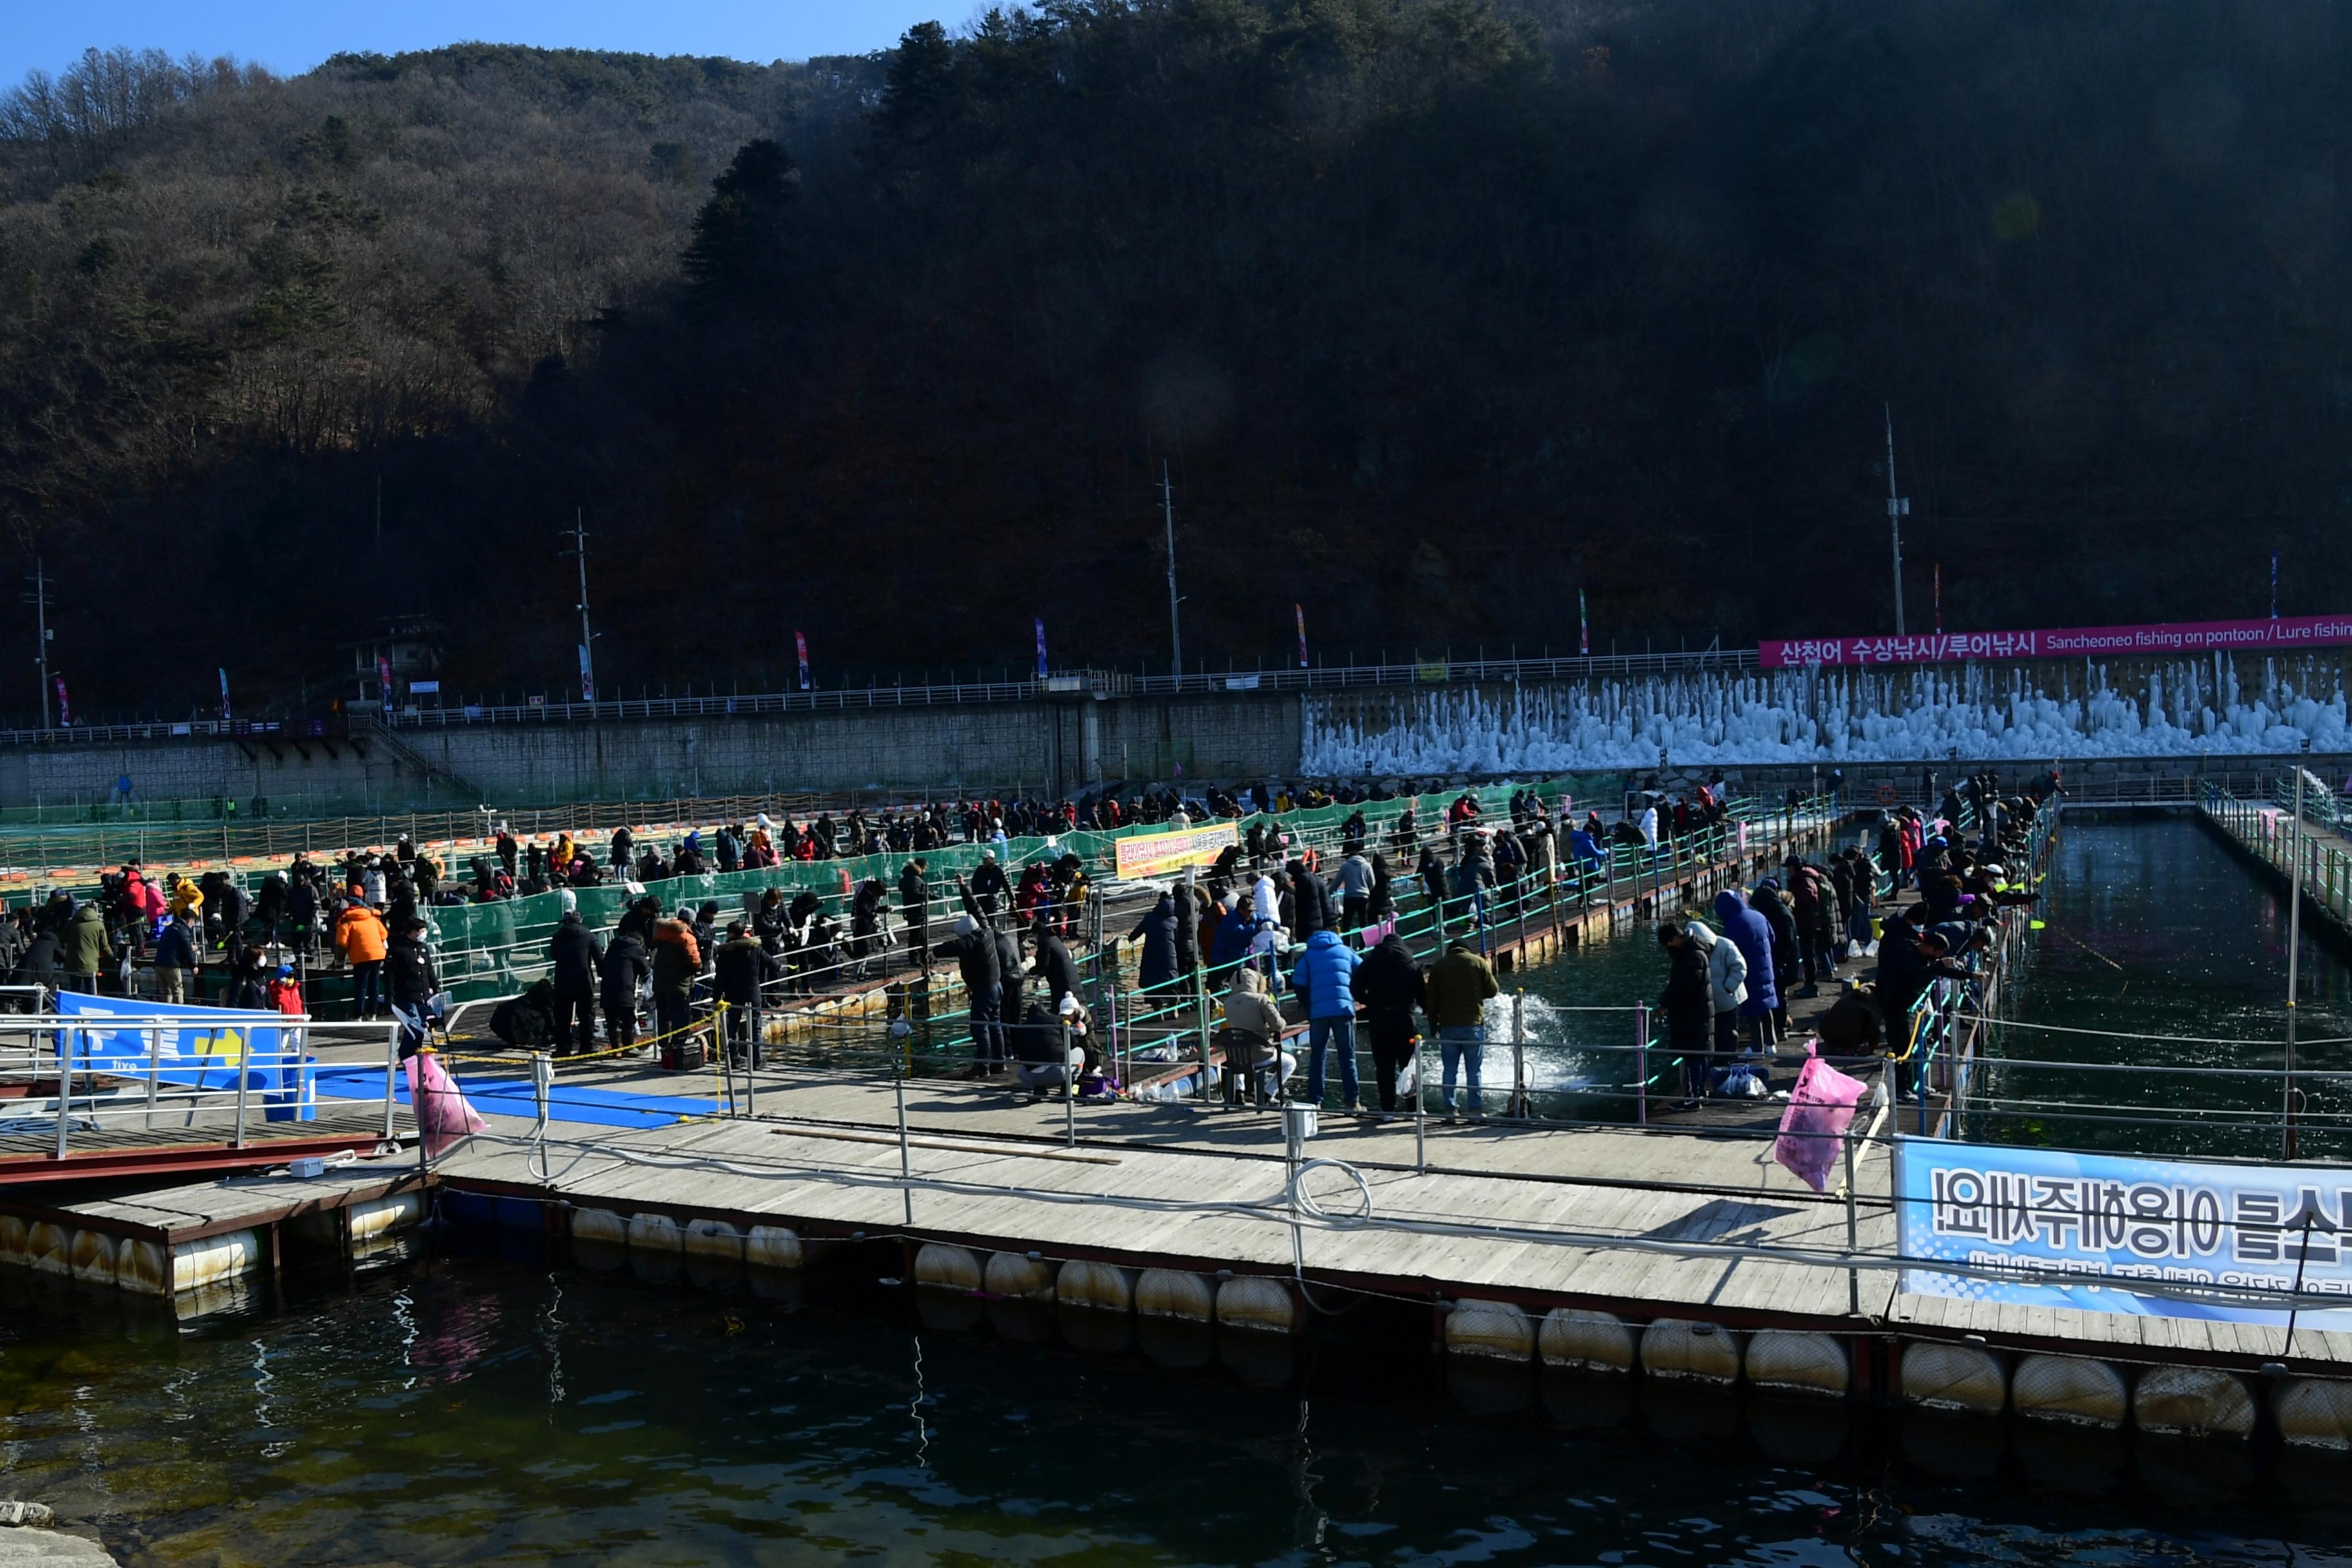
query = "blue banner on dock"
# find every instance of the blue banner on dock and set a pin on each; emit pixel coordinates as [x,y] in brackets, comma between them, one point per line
[202,1048]
[2166,1238]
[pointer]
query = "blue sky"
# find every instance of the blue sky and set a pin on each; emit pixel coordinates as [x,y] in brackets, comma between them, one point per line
[290,36]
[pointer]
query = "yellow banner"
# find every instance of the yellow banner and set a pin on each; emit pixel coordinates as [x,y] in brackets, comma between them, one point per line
[1159,853]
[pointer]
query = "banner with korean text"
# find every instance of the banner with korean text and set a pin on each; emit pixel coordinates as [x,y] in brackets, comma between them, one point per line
[2186,1226]
[2285,635]
[1164,854]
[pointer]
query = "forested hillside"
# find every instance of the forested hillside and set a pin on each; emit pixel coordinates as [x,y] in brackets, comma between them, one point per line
[1437,310]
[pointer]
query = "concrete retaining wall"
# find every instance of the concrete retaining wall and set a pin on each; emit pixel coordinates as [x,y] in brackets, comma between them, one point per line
[1753,726]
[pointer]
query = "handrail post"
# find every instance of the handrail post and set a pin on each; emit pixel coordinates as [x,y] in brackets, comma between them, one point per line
[1519,1108]
[1642,1064]
[65,1052]
[243,1062]
[1852,1230]
[1201,1015]
[906,1168]
[391,1078]
[1070,1092]
[1420,1109]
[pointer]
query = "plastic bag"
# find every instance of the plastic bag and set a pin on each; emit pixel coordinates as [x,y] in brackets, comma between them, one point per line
[1820,1109]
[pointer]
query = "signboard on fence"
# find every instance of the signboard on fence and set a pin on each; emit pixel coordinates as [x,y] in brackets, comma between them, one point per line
[204,1048]
[2286,634]
[2110,1220]
[1164,854]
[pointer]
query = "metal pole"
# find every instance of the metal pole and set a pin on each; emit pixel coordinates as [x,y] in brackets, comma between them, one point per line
[906,1167]
[244,1060]
[1070,1092]
[1201,1016]
[154,1070]
[391,1078]
[1642,1063]
[2294,955]
[65,1085]
[1853,1230]
[1168,514]
[1419,1110]
[41,632]
[1520,1052]
[1895,517]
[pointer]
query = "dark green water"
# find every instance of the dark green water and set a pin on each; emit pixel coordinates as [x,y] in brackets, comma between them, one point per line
[2158,929]
[477,1409]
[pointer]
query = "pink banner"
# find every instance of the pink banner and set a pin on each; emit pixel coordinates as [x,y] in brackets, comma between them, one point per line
[2286,634]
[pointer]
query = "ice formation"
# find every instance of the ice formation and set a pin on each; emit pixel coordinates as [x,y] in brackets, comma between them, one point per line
[2188,706]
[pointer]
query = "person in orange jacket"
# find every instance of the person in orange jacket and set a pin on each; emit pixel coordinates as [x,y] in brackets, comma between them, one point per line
[360,933]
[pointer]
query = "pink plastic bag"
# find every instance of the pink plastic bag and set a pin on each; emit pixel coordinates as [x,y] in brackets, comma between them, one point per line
[1820,1108]
[441,1114]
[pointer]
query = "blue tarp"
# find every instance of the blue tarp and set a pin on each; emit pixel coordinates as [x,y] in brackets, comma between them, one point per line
[513,1096]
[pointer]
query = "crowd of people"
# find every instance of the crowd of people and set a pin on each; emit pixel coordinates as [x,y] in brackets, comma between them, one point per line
[1010,930]
[1729,985]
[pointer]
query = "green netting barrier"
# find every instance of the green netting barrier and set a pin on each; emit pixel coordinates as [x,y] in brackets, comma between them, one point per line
[488,950]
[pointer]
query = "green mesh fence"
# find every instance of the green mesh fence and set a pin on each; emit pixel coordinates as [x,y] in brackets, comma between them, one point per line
[490,950]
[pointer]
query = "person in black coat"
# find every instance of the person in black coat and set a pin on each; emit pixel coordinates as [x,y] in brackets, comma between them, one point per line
[914,907]
[577,961]
[1388,984]
[1310,902]
[627,967]
[1053,961]
[973,949]
[408,975]
[990,890]
[739,968]
[1157,931]
[1689,1002]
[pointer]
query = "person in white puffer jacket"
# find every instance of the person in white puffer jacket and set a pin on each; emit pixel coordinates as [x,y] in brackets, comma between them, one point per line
[1727,980]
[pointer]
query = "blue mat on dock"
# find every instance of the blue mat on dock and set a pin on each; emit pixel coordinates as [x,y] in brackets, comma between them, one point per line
[512,1097]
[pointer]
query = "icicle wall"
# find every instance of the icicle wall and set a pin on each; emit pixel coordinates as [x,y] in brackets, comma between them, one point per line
[2202,704]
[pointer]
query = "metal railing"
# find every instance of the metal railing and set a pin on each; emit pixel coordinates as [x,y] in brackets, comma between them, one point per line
[72,1084]
[1064,683]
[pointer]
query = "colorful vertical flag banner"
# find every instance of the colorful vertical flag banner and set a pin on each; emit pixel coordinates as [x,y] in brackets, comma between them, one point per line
[65,709]
[1583,628]
[1300,613]
[800,646]
[587,677]
[383,682]
[224,674]
[1041,648]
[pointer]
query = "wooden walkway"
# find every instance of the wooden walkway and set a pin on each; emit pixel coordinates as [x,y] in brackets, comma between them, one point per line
[1540,1243]
[1587,1219]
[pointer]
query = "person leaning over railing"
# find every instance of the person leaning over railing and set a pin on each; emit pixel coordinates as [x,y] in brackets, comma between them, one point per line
[1909,961]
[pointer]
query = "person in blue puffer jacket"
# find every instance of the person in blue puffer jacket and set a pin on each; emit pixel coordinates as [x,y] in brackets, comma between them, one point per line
[1325,984]
[1748,931]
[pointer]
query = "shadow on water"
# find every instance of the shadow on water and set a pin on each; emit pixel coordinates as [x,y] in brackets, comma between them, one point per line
[480,1407]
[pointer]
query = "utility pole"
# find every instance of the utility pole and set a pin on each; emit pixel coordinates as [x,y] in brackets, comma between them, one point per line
[1168,514]
[579,552]
[40,597]
[1897,508]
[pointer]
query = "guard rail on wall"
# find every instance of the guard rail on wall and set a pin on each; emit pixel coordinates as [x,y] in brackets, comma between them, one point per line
[1069,683]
